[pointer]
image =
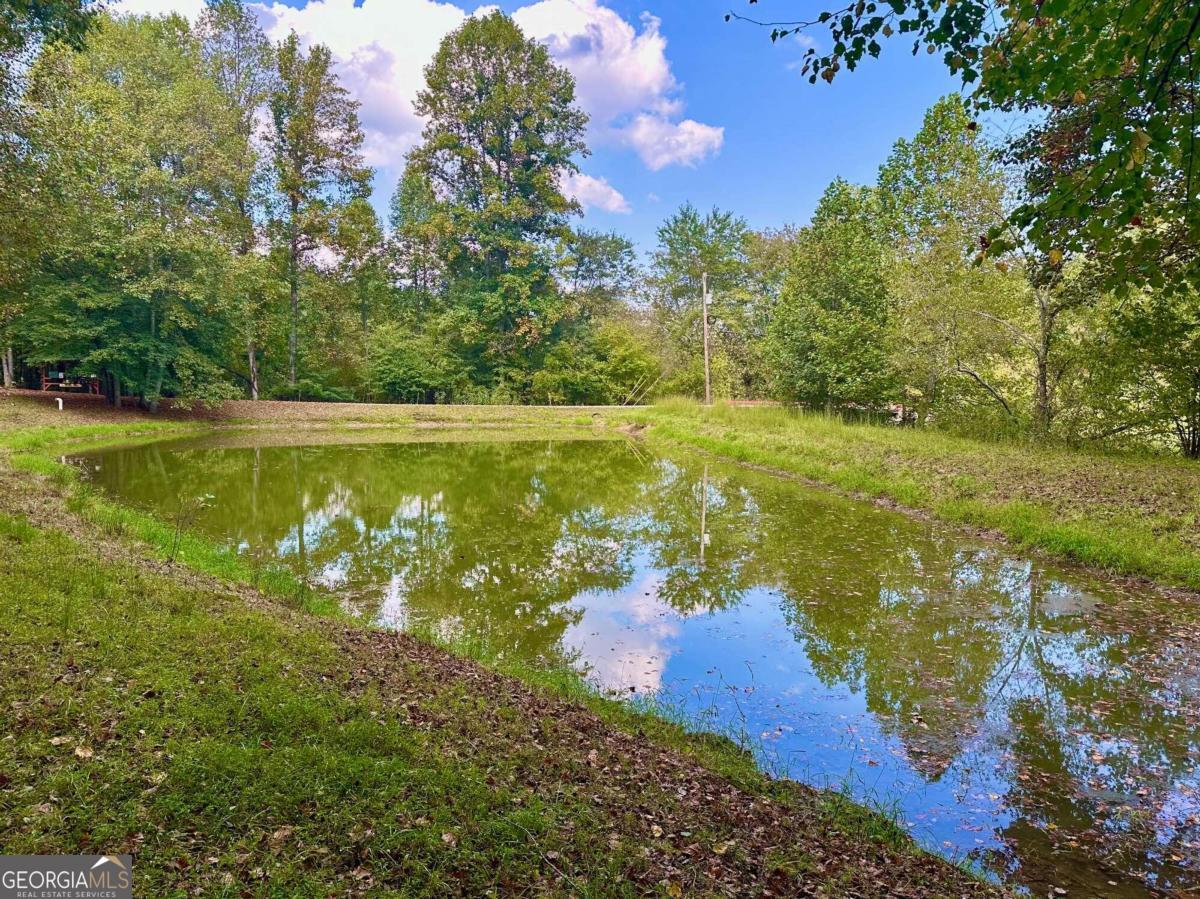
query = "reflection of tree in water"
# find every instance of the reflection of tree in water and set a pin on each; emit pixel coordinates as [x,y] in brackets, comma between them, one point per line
[1105,753]
[1087,709]
[892,627]
[1090,706]
[486,540]
[671,530]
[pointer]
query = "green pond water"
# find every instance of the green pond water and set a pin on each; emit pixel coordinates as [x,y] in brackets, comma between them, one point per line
[1035,720]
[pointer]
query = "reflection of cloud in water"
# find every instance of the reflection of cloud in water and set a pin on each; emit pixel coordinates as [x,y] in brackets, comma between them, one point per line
[419,507]
[1064,600]
[625,638]
[393,609]
[335,574]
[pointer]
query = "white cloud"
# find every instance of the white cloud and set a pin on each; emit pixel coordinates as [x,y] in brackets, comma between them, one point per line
[623,79]
[661,142]
[623,76]
[594,193]
[382,48]
[617,69]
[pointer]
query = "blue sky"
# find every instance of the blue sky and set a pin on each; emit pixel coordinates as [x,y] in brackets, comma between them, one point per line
[685,107]
[785,139]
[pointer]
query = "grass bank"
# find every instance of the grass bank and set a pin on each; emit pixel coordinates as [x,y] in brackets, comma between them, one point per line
[1123,513]
[164,700]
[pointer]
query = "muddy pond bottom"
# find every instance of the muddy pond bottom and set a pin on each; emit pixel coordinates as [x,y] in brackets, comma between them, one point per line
[1038,723]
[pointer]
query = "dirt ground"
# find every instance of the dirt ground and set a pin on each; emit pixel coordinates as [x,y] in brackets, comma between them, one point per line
[26,408]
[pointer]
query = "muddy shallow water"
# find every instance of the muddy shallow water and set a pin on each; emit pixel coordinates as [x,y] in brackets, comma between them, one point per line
[1034,720]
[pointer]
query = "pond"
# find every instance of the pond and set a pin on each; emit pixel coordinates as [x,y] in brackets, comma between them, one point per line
[1035,720]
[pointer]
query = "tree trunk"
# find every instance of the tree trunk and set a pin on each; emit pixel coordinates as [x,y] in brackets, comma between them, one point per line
[293,335]
[154,376]
[364,309]
[1189,427]
[152,401]
[294,287]
[1043,412]
[147,397]
[1190,439]
[9,367]
[244,248]
[115,380]
[252,358]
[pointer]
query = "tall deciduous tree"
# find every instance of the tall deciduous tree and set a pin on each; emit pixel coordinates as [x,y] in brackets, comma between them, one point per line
[1145,356]
[826,340]
[690,246]
[316,150]
[414,240]
[241,61]
[942,186]
[938,192]
[23,22]
[599,272]
[143,145]
[27,208]
[360,244]
[502,129]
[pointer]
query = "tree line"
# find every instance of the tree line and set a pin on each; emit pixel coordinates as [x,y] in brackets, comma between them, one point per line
[186,213]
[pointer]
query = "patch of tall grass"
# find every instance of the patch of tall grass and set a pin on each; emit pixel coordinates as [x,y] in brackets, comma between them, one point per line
[1035,496]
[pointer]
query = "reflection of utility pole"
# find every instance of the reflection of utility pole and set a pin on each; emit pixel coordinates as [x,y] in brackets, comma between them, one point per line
[703,513]
[254,486]
[301,508]
[707,377]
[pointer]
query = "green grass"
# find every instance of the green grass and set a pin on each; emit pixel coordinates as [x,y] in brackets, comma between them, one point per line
[30,451]
[1126,513]
[43,438]
[193,731]
[217,742]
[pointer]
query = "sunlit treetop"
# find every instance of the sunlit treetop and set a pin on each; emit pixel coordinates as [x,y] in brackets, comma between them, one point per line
[1111,88]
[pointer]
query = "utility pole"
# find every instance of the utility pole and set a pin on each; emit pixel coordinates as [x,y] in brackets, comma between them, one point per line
[707,375]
